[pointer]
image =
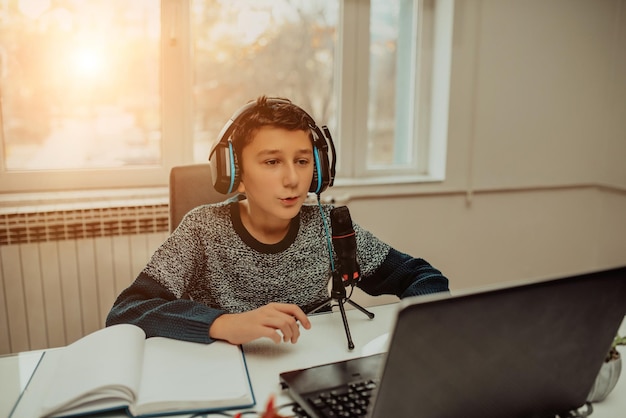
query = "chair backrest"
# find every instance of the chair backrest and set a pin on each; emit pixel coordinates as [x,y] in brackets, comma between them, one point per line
[191,186]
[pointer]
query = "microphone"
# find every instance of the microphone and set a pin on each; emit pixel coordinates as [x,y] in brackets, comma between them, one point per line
[344,243]
[347,272]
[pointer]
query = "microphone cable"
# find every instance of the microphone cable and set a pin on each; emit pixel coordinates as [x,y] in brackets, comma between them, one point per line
[329,244]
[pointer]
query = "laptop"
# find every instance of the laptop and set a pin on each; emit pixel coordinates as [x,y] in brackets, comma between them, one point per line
[523,350]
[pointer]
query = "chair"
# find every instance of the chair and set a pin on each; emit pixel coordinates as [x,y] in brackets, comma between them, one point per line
[191,186]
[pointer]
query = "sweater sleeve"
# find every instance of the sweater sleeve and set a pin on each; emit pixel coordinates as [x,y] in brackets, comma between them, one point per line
[159,312]
[403,276]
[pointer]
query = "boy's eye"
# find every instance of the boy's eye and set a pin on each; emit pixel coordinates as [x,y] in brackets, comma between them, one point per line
[299,161]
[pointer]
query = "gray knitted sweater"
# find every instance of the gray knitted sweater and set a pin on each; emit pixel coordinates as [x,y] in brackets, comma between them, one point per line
[210,265]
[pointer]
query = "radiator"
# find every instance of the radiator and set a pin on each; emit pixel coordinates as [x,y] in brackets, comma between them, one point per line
[61,271]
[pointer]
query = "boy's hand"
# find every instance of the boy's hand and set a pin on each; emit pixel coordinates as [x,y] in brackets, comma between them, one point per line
[265,321]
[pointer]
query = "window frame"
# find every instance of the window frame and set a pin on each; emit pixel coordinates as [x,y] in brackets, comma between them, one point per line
[429,98]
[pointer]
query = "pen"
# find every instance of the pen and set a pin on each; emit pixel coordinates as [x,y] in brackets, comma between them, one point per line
[269,409]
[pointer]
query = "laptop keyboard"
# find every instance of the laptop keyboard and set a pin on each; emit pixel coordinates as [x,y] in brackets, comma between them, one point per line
[351,400]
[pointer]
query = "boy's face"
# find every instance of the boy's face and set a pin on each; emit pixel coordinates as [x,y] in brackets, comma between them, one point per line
[277,170]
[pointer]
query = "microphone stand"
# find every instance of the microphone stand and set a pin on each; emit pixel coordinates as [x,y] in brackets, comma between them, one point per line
[338,294]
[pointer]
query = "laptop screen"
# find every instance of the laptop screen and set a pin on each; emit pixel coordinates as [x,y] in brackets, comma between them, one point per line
[521,350]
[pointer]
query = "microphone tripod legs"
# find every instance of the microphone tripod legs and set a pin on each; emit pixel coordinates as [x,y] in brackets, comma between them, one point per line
[338,293]
[346,327]
[369,314]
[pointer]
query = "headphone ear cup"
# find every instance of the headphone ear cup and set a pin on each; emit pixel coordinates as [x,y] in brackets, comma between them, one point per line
[323,175]
[236,169]
[315,181]
[224,168]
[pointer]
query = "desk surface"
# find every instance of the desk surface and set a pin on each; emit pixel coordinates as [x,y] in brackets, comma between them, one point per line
[325,342]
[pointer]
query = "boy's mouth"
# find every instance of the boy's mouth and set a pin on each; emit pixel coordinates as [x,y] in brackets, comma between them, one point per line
[290,200]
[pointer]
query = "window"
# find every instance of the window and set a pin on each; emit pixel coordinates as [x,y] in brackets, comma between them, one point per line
[110,93]
[244,49]
[80,87]
[398,99]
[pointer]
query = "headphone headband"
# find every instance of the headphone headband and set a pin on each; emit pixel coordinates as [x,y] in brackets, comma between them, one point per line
[225,171]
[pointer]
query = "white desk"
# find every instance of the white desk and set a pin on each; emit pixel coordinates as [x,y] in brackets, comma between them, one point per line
[324,343]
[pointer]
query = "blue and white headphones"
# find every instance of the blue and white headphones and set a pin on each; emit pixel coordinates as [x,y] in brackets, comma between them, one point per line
[225,171]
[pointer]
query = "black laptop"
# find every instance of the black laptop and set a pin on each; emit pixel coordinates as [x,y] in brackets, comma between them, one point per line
[525,350]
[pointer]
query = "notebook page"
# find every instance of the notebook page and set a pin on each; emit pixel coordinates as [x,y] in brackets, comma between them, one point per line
[180,375]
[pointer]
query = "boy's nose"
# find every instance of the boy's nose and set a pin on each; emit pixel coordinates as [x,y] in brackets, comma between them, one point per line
[290,178]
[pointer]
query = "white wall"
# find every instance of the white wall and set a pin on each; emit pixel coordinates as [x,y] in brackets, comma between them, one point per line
[536,170]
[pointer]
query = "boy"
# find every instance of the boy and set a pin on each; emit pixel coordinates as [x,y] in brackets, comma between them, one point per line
[250,267]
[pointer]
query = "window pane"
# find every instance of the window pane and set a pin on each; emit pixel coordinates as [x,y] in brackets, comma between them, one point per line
[80,83]
[390,80]
[243,49]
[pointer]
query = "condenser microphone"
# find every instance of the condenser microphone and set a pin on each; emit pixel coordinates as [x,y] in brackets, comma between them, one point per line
[347,271]
[344,243]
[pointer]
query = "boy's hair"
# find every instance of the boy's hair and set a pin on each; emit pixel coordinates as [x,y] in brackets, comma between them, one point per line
[273,113]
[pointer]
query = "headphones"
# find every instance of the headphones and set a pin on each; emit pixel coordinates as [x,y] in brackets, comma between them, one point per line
[225,171]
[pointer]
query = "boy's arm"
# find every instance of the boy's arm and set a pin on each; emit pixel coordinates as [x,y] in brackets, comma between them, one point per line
[158,312]
[403,276]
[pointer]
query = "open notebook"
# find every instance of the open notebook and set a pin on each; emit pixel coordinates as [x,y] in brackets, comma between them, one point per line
[531,349]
